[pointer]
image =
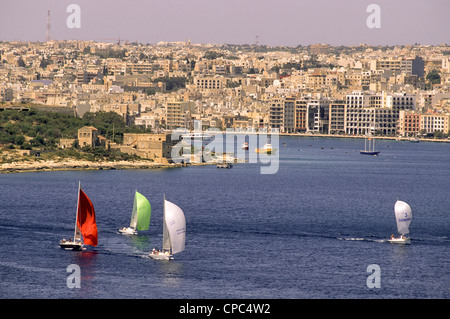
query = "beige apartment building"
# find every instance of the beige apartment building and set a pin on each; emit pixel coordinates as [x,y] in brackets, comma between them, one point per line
[178,114]
[210,83]
[337,117]
[292,114]
[409,123]
[408,65]
[276,113]
[139,67]
[412,123]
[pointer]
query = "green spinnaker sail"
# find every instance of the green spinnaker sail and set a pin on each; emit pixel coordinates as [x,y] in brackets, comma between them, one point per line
[142,211]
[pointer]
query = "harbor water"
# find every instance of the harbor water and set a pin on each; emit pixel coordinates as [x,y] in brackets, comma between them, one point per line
[314,229]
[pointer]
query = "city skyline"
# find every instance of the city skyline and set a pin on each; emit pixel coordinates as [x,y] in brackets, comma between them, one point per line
[288,23]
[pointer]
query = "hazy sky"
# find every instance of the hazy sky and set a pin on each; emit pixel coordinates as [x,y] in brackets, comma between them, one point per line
[275,22]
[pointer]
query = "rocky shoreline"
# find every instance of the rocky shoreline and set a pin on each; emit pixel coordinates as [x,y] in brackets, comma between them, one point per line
[65,165]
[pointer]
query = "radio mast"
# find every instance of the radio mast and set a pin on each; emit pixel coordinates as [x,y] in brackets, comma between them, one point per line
[47,34]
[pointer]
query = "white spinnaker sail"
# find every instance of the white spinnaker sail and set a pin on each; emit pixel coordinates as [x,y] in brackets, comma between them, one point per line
[403,215]
[174,233]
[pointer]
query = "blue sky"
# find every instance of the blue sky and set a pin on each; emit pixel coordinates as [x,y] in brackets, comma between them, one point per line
[280,22]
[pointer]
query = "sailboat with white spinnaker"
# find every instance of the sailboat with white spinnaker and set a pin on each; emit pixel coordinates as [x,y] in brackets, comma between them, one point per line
[174,232]
[403,216]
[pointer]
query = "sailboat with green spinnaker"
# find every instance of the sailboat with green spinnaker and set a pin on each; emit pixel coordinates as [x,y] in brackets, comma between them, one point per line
[140,215]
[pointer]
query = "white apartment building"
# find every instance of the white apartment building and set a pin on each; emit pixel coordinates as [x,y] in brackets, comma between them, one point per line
[431,123]
[357,120]
[369,112]
[401,101]
[147,120]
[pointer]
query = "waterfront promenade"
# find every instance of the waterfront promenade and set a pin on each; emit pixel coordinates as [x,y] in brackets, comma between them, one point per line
[442,140]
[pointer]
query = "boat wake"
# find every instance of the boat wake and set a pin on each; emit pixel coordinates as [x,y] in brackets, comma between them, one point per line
[443,240]
[362,239]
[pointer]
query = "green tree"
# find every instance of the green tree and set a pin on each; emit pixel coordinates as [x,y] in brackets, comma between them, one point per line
[172,83]
[21,62]
[44,63]
[434,77]
[37,141]
[211,55]
[19,140]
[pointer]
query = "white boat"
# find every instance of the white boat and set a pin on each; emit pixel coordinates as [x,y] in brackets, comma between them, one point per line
[245,146]
[85,224]
[403,216]
[400,240]
[140,215]
[174,232]
[267,149]
[197,136]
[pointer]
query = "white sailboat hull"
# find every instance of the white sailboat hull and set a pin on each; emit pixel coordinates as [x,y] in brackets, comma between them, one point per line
[400,240]
[161,255]
[128,231]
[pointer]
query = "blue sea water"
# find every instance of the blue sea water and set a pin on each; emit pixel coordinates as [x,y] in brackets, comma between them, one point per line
[309,231]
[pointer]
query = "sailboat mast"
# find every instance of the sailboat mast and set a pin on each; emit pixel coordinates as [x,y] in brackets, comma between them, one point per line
[164,209]
[76,219]
[165,230]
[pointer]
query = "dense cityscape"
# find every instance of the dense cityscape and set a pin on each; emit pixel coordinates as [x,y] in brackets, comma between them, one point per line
[358,90]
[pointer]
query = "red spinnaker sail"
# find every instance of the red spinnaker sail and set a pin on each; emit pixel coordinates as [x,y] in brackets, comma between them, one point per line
[86,220]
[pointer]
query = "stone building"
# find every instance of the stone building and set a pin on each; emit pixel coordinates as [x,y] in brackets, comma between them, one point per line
[88,136]
[157,147]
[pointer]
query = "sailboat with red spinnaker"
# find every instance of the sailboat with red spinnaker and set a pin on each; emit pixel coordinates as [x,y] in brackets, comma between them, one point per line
[86,232]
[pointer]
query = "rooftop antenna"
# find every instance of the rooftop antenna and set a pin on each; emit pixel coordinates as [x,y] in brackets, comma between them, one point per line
[47,35]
